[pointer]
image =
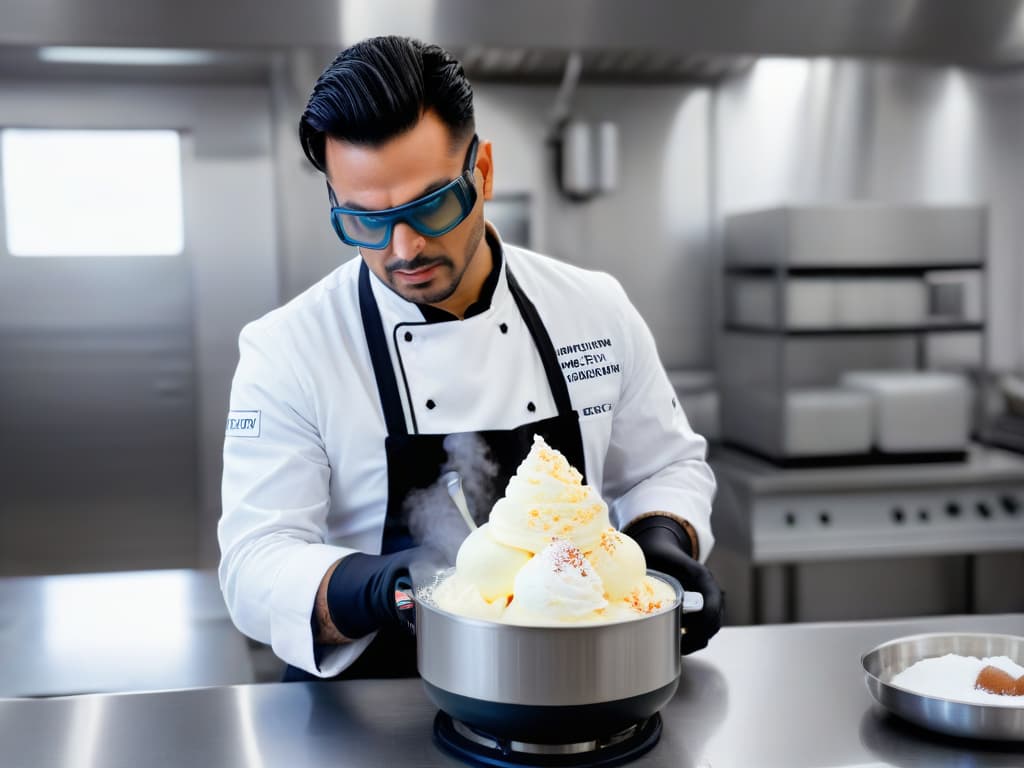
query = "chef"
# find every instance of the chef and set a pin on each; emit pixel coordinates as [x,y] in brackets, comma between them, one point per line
[348,400]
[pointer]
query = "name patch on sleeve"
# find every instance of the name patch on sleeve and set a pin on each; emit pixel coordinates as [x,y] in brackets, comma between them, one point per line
[243,424]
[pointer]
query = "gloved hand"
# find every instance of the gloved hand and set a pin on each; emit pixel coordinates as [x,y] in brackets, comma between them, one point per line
[668,549]
[361,593]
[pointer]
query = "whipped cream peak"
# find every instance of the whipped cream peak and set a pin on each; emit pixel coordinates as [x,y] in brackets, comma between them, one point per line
[546,499]
[543,461]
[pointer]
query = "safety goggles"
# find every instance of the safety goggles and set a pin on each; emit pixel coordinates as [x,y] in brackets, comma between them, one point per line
[431,215]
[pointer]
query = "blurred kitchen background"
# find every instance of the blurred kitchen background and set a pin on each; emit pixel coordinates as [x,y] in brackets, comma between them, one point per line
[817,207]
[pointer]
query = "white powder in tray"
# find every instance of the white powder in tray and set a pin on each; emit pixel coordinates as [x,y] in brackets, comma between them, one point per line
[953,677]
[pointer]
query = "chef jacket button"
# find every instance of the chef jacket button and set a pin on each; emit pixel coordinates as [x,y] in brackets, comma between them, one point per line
[408,336]
[531,407]
[504,327]
[431,404]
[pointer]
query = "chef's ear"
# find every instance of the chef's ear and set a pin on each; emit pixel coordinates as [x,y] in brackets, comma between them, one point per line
[485,165]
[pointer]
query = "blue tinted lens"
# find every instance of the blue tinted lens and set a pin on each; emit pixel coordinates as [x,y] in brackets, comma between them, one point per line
[433,215]
[363,229]
[439,214]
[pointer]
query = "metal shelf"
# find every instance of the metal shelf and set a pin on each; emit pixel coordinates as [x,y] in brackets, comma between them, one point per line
[793,316]
[839,271]
[881,331]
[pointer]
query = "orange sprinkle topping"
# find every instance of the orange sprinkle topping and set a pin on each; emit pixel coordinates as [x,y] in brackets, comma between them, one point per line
[645,602]
[568,555]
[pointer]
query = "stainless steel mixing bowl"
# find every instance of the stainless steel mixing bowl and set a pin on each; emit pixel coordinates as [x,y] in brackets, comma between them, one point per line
[957,718]
[549,684]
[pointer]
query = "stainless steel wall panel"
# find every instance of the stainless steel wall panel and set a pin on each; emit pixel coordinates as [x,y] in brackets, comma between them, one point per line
[191,307]
[97,436]
[829,131]
[886,588]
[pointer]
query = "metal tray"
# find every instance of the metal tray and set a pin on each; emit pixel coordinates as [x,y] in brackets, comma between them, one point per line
[956,718]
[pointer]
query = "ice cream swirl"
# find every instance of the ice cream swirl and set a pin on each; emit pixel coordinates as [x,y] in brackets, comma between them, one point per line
[558,584]
[546,499]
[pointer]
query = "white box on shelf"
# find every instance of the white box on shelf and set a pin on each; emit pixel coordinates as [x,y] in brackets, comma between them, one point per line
[810,303]
[881,302]
[827,422]
[916,411]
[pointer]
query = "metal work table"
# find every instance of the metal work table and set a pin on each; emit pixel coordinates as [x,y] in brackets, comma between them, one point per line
[774,527]
[788,696]
[984,465]
[794,515]
[108,632]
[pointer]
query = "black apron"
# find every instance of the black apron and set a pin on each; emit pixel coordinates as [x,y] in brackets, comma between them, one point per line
[414,462]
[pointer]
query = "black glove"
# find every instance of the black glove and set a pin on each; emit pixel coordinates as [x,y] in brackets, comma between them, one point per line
[668,549]
[361,593]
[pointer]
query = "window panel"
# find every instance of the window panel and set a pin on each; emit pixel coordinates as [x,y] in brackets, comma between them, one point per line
[92,192]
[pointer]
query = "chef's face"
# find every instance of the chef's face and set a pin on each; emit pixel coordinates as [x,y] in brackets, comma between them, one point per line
[447,270]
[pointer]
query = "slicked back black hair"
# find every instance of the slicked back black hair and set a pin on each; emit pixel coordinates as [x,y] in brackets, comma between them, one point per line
[378,89]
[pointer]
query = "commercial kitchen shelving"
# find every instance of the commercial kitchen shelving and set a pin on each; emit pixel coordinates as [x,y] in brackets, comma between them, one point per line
[761,362]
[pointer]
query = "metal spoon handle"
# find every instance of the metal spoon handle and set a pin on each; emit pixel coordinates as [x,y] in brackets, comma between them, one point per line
[454,483]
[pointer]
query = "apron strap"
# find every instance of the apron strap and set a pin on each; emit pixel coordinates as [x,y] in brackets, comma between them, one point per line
[541,339]
[376,342]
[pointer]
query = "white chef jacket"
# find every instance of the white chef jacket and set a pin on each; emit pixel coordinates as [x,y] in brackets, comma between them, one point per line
[305,475]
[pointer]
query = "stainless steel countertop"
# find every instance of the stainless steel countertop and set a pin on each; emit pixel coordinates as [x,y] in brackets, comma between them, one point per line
[108,632]
[791,696]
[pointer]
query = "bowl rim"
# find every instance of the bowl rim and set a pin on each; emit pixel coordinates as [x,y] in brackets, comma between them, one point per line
[429,605]
[927,636]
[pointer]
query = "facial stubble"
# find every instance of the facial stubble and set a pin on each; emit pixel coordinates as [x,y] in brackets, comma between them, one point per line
[439,295]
